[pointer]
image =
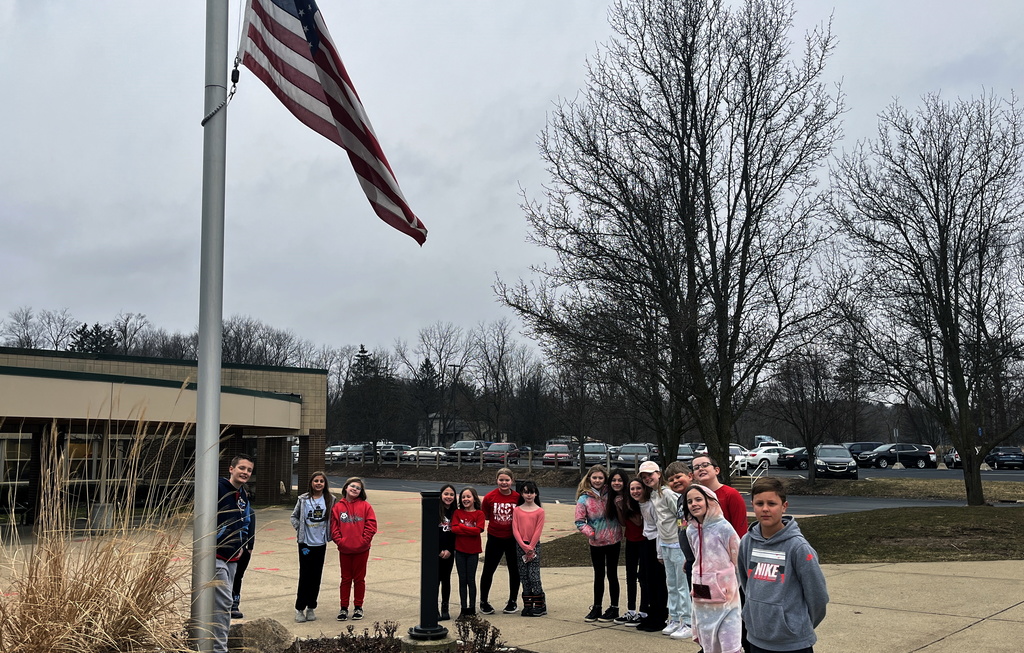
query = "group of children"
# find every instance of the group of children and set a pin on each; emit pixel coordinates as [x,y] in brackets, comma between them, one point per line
[349,522]
[703,574]
[513,521]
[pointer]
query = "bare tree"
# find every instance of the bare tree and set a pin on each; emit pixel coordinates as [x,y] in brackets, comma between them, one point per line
[446,347]
[934,210]
[681,207]
[22,329]
[56,328]
[127,328]
[806,394]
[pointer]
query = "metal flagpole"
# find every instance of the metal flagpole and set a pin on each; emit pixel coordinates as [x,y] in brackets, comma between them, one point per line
[211,307]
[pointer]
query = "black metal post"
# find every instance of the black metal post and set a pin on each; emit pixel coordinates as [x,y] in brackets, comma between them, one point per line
[429,551]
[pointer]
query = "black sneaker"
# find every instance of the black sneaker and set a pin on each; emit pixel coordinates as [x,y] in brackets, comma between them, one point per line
[357,613]
[595,612]
[609,615]
[623,619]
[485,608]
[511,608]
[343,614]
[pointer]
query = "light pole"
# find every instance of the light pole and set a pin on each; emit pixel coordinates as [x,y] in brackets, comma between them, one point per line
[455,375]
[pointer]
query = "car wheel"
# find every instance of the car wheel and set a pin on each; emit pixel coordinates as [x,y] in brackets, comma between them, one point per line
[803,464]
[883,463]
[921,464]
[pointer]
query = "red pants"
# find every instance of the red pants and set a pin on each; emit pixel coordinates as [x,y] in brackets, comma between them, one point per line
[353,572]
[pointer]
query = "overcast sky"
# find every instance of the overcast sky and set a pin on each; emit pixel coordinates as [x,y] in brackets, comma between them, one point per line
[101,150]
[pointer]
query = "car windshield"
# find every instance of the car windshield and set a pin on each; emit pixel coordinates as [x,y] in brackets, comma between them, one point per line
[633,448]
[1007,450]
[499,447]
[839,452]
[559,448]
[464,445]
[685,448]
[594,448]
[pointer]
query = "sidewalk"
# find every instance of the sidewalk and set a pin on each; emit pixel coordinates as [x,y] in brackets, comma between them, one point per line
[884,608]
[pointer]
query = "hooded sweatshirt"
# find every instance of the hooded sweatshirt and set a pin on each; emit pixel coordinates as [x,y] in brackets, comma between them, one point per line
[353,525]
[592,519]
[784,587]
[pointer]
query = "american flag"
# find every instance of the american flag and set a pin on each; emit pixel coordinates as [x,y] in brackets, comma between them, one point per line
[288,47]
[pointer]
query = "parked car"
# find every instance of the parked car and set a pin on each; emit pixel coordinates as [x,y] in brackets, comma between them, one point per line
[909,455]
[835,461]
[424,453]
[335,453]
[595,453]
[794,458]
[685,453]
[766,455]
[503,453]
[557,454]
[636,452]
[857,448]
[952,459]
[765,441]
[467,451]
[1005,457]
[391,452]
[360,453]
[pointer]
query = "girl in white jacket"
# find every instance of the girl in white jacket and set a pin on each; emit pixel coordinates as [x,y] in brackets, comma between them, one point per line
[717,622]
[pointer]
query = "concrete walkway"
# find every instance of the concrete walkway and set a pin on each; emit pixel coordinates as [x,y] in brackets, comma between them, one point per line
[884,608]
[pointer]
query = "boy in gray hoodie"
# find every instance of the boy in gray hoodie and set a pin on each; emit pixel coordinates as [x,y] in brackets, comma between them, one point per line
[785,593]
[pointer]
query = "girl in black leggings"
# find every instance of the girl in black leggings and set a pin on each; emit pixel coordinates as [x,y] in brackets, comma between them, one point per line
[446,548]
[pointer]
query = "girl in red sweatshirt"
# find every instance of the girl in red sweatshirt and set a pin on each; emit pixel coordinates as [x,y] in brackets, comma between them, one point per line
[467,524]
[353,525]
[498,505]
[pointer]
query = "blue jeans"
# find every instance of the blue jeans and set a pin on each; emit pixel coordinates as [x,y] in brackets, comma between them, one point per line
[675,579]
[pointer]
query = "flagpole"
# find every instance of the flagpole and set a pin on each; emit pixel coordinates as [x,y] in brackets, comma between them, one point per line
[211,307]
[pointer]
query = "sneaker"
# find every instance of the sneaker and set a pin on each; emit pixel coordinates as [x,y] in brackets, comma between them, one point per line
[623,619]
[237,614]
[310,614]
[511,608]
[634,620]
[342,614]
[684,632]
[611,614]
[300,616]
[357,613]
[485,608]
[595,612]
[671,627]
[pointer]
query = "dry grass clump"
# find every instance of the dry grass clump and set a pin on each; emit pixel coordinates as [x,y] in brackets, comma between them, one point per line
[124,587]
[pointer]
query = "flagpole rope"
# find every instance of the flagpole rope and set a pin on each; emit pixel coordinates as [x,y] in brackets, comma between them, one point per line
[231,93]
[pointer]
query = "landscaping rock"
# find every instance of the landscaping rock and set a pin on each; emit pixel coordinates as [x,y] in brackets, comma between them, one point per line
[261,636]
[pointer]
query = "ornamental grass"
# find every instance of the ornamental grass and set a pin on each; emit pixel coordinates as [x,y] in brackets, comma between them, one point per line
[98,577]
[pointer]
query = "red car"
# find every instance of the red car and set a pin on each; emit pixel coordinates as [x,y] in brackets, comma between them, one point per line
[503,453]
[557,454]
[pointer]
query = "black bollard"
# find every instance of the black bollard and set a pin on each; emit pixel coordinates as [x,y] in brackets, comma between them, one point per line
[429,550]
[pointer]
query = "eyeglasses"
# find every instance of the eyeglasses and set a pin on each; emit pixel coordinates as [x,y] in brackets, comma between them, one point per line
[702,465]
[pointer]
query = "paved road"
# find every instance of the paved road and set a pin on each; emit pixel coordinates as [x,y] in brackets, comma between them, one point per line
[798,505]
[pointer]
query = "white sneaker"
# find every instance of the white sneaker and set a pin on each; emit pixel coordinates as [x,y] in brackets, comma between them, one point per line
[300,616]
[671,627]
[684,632]
[310,614]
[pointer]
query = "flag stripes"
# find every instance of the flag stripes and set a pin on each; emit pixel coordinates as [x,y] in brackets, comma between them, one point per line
[287,46]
